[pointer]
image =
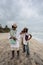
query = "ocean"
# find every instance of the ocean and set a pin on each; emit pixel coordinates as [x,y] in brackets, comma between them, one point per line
[38,36]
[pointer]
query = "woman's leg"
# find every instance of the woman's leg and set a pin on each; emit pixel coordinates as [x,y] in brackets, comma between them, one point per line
[27,50]
[28,53]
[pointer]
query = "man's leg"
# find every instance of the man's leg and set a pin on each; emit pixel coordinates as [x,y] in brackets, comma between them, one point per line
[13,54]
[17,53]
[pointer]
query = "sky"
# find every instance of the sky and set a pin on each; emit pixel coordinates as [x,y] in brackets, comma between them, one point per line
[22,12]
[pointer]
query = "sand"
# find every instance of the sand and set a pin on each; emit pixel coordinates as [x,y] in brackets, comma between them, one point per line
[35,57]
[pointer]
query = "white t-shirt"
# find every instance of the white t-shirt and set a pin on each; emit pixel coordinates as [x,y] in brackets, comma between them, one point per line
[23,36]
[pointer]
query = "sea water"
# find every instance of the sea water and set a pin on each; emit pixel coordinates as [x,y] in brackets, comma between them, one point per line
[38,36]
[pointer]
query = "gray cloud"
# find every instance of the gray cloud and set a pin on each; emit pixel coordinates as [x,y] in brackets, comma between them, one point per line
[24,12]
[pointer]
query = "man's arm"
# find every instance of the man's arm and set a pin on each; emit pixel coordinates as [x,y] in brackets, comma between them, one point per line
[13,38]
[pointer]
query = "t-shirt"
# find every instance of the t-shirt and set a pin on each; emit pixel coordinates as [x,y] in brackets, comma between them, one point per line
[13,33]
[23,36]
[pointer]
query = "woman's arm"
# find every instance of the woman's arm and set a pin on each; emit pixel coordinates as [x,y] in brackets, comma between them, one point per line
[30,36]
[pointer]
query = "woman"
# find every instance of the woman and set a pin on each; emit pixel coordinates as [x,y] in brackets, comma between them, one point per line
[27,37]
[24,32]
[13,40]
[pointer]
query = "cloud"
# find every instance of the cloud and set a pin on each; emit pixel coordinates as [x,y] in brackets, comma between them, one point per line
[24,12]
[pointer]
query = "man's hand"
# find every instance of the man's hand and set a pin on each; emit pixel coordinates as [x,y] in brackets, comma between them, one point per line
[11,37]
[14,38]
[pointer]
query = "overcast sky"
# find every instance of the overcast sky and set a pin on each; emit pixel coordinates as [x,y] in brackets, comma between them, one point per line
[23,12]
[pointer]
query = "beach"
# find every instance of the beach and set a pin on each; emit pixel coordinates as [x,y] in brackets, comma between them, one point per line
[35,47]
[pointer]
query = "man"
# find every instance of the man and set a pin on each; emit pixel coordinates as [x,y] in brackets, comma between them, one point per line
[13,40]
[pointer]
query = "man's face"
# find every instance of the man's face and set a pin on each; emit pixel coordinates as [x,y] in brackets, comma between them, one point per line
[14,28]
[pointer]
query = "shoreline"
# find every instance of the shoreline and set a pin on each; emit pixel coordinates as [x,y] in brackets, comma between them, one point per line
[39,40]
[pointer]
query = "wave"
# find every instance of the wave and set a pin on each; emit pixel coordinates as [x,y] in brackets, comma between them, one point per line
[38,36]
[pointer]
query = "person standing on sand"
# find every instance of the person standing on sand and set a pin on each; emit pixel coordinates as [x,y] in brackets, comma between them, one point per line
[25,38]
[14,41]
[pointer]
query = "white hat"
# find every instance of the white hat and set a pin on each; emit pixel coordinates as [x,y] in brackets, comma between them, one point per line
[14,25]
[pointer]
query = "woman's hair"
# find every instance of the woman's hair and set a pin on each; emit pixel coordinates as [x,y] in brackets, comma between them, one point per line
[21,32]
[25,30]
